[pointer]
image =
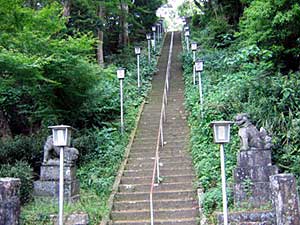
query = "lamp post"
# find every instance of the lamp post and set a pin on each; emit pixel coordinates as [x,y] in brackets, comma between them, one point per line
[121,76]
[137,51]
[194,49]
[187,35]
[154,36]
[148,37]
[199,68]
[61,138]
[158,31]
[221,131]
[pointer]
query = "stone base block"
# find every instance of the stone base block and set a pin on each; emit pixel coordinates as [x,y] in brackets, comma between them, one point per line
[51,189]
[254,158]
[249,217]
[73,219]
[9,201]
[10,211]
[51,172]
[255,174]
[252,194]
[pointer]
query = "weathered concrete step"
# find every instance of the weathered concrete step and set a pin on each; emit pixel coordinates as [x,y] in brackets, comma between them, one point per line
[179,144]
[191,221]
[149,139]
[162,187]
[163,171]
[178,213]
[162,195]
[170,139]
[166,165]
[146,133]
[147,180]
[175,152]
[159,204]
[162,157]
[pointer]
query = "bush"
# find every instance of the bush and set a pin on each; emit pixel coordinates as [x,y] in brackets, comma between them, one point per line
[23,171]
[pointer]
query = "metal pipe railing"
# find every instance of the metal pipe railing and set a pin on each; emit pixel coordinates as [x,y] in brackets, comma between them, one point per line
[160,134]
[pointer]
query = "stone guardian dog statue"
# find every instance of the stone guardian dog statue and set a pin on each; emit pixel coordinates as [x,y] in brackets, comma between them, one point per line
[251,138]
[51,153]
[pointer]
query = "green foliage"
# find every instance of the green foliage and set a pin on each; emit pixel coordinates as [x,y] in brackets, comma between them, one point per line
[22,148]
[23,171]
[38,212]
[274,25]
[240,80]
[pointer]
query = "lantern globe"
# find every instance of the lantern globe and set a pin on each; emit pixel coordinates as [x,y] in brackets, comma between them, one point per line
[121,73]
[137,50]
[221,130]
[187,33]
[148,36]
[153,28]
[61,135]
[194,46]
[199,65]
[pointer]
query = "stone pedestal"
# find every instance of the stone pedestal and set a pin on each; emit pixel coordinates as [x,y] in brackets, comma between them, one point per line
[72,219]
[9,201]
[251,178]
[285,199]
[48,185]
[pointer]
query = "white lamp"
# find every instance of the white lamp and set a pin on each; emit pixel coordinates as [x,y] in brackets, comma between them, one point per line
[61,135]
[148,36]
[153,28]
[221,131]
[187,33]
[121,73]
[194,46]
[137,50]
[199,65]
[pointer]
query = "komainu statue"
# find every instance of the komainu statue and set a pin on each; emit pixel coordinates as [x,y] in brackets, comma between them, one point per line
[51,153]
[251,138]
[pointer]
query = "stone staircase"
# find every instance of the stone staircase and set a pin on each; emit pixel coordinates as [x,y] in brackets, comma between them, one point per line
[175,199]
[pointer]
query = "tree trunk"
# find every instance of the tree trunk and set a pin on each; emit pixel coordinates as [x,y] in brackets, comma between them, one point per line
[5,131]
[100,55]
[124,37]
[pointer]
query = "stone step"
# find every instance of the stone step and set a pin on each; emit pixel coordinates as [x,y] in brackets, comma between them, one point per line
[163,172]
[161,187]
[147,180]
[167,133]
[188,221]
[162,159]
[159,204]
[162,195]
[169,138]
[142,146]
[162,153]
[163,164]
[177,213]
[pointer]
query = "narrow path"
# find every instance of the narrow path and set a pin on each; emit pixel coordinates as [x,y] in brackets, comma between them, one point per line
[175,198]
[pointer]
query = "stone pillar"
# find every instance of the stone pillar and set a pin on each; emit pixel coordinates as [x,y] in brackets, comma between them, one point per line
[48,185]
[251,178]
[9,201]
[285,199]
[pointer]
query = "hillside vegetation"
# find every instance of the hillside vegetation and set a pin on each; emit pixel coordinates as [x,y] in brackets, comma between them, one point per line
[251,51]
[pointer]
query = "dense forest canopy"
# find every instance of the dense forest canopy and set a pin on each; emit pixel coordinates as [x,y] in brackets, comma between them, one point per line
[48,54]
